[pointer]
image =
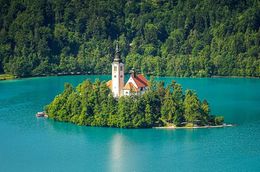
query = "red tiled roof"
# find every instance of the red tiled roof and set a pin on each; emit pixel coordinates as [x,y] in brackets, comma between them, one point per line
[140,80]
[109,84]
[131,87]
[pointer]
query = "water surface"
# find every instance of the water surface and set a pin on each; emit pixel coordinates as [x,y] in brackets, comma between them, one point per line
[31,144]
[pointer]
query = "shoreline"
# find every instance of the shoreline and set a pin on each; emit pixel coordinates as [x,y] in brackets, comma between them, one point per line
[13,77]
[196,127]
[224,125]
[159,128]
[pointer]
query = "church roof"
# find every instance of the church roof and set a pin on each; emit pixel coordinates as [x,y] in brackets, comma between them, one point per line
[140,80]
[109,84]
[130,86]
[117,54]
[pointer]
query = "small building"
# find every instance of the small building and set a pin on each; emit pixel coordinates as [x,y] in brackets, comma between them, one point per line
[137,84]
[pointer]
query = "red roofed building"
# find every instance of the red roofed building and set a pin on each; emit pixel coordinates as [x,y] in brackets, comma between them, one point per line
[136,84]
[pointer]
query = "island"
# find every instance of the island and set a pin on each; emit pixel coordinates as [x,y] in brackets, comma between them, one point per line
[92,104]
[138,103]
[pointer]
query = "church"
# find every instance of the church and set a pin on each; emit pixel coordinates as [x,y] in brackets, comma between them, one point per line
[137,84]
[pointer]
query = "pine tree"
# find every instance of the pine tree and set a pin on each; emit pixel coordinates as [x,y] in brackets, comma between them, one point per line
[168,107]
[191,107]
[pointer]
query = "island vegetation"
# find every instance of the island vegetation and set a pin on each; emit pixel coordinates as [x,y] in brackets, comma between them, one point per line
[175,37]
[92,104]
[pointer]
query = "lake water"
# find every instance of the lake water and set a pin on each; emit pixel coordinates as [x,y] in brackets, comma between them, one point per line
[31,144]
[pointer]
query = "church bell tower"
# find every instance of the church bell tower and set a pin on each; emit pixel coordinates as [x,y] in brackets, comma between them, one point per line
[117,74]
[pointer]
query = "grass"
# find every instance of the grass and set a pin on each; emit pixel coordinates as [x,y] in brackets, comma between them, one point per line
[6,76]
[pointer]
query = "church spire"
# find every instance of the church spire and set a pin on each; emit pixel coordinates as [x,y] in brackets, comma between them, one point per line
[117,54]
[118,74]
[117,47]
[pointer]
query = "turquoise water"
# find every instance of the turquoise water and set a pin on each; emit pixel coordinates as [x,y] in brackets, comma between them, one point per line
[31,144]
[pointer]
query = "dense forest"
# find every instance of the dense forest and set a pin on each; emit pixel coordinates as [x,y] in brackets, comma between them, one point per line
[92,104]
[158,37]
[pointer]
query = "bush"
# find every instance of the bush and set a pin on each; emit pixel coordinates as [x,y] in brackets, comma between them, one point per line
[219,120]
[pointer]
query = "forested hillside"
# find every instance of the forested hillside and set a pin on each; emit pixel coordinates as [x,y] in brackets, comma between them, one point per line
[159,37]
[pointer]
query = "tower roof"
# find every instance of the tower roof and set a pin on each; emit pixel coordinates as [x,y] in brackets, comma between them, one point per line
[117,53]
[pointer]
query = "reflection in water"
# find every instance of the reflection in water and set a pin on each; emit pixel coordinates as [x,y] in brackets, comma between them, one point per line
[116,153]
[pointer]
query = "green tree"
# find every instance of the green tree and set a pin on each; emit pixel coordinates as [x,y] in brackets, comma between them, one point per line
[191,107]
[168,108]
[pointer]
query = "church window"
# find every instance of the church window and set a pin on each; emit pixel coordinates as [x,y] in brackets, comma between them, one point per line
[121,76]
[114,76]
[115,68]
[121,68]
